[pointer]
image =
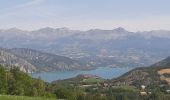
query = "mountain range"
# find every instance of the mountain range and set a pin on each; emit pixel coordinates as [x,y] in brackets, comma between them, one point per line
[95,47]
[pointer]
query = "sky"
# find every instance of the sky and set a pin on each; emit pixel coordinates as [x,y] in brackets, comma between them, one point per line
[133,15]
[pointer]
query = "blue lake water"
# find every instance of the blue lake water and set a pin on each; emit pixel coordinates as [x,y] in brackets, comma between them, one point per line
[104,72]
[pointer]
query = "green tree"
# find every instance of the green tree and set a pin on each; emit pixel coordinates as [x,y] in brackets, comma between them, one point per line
[3,80]
[40,85]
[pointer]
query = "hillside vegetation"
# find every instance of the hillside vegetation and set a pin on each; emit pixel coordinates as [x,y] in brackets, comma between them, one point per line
[16,82]
[146,75]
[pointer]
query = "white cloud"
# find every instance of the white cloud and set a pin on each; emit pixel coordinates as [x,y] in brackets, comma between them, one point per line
[13,9]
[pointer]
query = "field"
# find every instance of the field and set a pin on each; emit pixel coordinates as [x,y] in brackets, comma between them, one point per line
[164,71]
[5,97]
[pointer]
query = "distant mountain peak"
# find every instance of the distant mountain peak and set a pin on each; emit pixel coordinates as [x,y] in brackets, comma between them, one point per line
[53,30]
[119,29]
[14,29]
[46,29]
[62,28]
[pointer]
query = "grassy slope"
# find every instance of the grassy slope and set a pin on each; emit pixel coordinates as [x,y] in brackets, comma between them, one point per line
[93,80]
[5,97]
[80,79]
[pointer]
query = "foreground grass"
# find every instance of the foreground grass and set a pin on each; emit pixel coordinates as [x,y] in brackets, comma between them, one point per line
[6,97]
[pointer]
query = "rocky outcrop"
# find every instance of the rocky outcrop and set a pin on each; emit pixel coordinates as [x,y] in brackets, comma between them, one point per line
[11,60]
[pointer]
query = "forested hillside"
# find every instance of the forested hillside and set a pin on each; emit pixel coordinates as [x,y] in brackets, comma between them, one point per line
[16,82]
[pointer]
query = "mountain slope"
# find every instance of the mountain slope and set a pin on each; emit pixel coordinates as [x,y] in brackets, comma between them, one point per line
[46,61]
[29,60]
[146,76]
[11,60]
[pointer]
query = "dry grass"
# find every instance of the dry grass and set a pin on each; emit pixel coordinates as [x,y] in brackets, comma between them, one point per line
[166,79]
[164,71]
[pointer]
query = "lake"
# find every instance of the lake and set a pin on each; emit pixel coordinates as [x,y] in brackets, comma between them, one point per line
[104,72]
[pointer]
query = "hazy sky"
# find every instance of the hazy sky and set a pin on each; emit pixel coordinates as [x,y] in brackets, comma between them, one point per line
[85,14]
